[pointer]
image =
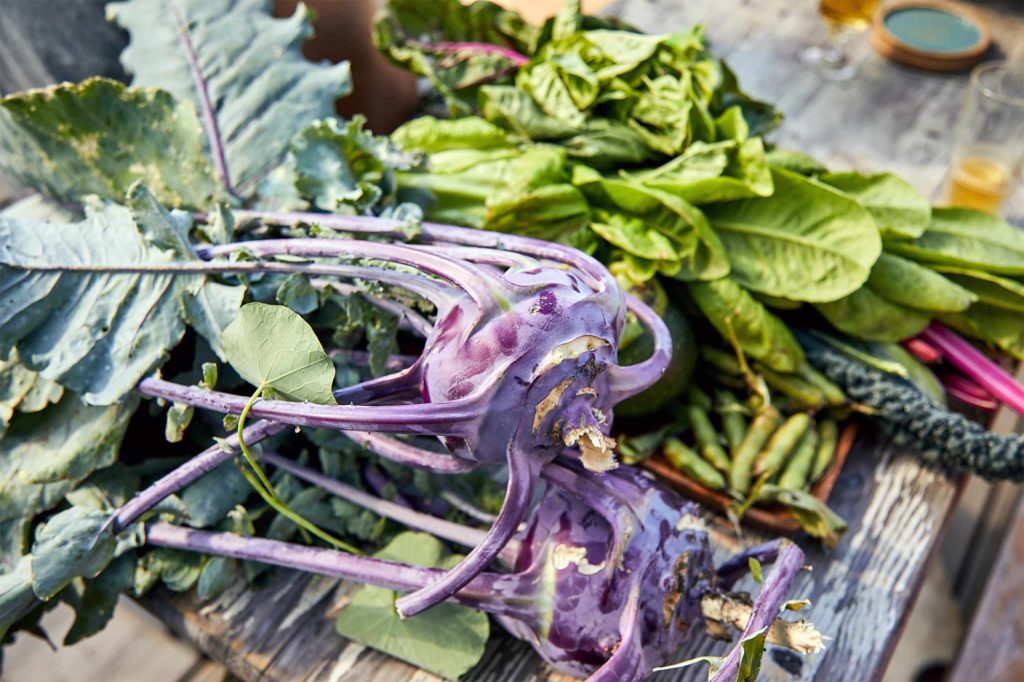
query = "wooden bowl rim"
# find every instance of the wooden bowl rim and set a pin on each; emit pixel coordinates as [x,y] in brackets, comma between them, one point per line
[892,47]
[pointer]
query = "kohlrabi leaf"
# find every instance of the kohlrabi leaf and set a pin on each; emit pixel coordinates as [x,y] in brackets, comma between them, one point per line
[967,238]
[242,70]
[98,137]
[94,607]
[341,168]
[95,305]
[272,347]
[208,500]
[217,575]
[45,454]
[76,543]
[760,334]
[23,390]
[16,595]
[806,242]
[899,210]
[177,569]
[447,640]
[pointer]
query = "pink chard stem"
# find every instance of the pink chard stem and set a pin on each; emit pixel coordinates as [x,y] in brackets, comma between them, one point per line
[976,365]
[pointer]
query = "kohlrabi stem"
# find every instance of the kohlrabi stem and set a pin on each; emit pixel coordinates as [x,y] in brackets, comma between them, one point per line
[738,565]
[521,481]
[625,382]
[410,455]
[467,508]
[491,592]
[265,489]
[192,470]
[427,419]
[597,275]
[453,532]
[624,664]
[774,593]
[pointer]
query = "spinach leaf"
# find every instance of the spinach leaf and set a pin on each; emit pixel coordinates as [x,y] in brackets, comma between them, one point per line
[806,242]
[867,315]
[899,210]
[447,640]
[967,238]
[720,171]
[273,348]
[993,324]
[905,282]
[988,288]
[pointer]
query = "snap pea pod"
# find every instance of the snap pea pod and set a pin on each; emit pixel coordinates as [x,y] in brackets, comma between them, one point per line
[808,395]
[794,476]
[782,442]
[699,398]
[690,463]
[734,423]
[834,395]
[707,438]
[828,434]
[761,429]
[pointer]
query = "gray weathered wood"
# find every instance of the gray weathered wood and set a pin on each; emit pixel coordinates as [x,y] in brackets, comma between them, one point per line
[888,118]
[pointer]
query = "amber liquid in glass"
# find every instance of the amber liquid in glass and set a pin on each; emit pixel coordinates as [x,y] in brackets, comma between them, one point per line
[977,182]
[853,15]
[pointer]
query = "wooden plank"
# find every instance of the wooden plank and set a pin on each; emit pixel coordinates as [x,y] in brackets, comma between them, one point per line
[994,648]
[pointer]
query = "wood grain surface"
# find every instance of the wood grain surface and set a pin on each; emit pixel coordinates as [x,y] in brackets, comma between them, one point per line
[888,118]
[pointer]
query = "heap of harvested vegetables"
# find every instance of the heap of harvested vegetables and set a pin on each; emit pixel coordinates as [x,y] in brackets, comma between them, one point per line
[310,308]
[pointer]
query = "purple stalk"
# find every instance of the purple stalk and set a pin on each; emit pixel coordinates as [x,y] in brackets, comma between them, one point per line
[766,607]
[448,269]
[508,53]
[447,530]
[205,106]
[976,365]
[484,592]
[521,481]
[466,507]
[410,455]
[438,233]
[630,380]
[361,358]
[192,470]
[425,419]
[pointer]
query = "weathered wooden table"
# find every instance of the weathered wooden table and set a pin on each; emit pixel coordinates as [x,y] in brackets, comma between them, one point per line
[889,117]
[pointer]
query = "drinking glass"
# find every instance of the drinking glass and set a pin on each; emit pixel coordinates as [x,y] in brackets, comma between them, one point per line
[988,142]
[844,20]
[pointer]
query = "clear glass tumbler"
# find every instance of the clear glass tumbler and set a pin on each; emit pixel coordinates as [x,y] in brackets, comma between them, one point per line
[988,143]
[844,20]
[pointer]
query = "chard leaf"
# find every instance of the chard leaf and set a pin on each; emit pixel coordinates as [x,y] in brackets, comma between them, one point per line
[417,35]
[721,171]
[46,454]
[899,210]
[999,326]
[966,238]
[760,334]
[428,134]
[905,282]
[76,543]
[806,242]
[865,314]
[233,58]
[447,640]
[514,110]
[95,606]
[272,347]
[99,137]
[988,288]
[95,305]
[794,162]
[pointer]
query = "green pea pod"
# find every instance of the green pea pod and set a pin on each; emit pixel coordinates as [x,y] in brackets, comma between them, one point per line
[761,429]
[834,395]
[794,476]
[720,360]
[699,398]
[807,395]
[707,438]
[690,463]
[782,442]
[734,423]
[828,435]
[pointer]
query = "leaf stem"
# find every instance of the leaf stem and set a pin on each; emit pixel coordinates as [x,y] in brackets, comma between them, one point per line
[205,106]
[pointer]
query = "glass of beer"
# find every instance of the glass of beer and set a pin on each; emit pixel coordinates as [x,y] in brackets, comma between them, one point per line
[988,143]
[844,20]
